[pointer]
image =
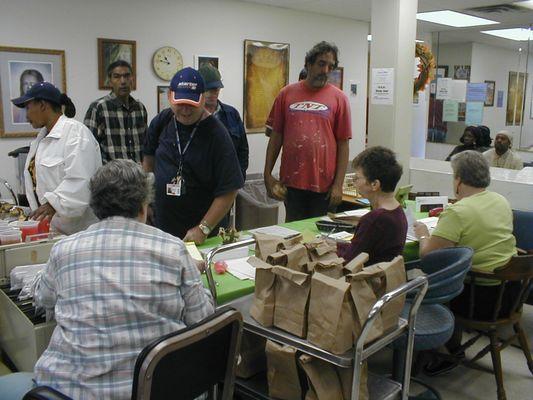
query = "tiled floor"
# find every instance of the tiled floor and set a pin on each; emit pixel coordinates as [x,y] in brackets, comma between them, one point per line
[464,383]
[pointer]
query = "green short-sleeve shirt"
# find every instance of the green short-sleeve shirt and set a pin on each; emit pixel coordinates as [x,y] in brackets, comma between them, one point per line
[484,222]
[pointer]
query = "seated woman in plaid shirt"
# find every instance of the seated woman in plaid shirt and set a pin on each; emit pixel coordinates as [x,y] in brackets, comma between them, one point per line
[114,288]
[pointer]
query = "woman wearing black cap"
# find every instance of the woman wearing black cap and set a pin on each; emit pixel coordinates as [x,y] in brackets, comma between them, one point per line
[60,162]
[469,140]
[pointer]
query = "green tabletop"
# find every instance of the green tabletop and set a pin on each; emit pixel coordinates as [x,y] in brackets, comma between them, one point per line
[230,288]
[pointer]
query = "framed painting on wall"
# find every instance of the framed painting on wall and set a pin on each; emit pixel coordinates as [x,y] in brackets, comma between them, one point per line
[162,98]
[20,68]
[336,77]
[201,60]
[461,72]
[515,98]
[442,71]
[111,50]
[266,72]
[491,87]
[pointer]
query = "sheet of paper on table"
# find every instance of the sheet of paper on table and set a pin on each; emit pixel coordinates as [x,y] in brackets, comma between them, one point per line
[431,223]
[240,268]
[276,230]
[193,251]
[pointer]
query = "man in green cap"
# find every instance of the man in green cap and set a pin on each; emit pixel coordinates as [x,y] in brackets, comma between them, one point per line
[225,113]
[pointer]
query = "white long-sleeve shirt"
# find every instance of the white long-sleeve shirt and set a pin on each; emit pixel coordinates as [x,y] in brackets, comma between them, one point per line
[65,160]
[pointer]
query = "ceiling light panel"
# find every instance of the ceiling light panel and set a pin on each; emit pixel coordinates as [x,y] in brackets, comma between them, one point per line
[452,18]
[518,34]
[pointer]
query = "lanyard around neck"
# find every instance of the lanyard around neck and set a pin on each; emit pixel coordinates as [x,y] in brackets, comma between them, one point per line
[182,153]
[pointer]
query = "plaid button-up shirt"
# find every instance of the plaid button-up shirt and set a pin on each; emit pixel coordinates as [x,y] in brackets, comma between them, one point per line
[119,129]
[114,287]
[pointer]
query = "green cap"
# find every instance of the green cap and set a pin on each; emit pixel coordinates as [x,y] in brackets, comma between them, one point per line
[211,77]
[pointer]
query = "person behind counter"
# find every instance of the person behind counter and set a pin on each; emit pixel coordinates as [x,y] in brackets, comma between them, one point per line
[60,162]
[482,220]
[469,140]
[114,287]
[381,233]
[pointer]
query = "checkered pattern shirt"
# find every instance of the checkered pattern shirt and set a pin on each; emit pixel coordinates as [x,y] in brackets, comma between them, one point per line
[114,287]
[119,130]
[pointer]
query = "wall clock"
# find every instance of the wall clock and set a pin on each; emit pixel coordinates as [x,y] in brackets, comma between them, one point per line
[166,62]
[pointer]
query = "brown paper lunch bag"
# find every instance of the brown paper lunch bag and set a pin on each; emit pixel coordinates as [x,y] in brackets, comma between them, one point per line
[252,358]
[346,379]
[294,257]
[282,372]
[331,318]
[368,285]
[320,249]
[265,245]
[392,276]
[263,303]
[324,382]
[356,264]
[332,268]
[292,297]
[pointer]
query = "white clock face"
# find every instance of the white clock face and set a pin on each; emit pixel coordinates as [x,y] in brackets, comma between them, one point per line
[167,61]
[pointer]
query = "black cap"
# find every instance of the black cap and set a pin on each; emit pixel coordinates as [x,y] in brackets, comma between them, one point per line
[39,91]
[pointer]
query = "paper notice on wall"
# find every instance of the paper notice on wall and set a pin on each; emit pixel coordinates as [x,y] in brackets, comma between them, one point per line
[474,113]
[476,92]
[444,88]
[499,101]
[382,86]
[458,90]
[450,110]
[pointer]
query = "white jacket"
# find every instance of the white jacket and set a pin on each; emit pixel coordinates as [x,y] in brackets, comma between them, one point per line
[65,160]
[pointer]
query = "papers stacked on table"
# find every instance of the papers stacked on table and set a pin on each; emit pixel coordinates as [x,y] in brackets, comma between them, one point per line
[276,230]
[240,268]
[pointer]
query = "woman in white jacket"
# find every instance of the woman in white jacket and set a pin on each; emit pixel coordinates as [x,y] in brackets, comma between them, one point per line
[61,161]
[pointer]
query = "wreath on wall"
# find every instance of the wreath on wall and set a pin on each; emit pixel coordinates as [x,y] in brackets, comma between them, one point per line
[426,67]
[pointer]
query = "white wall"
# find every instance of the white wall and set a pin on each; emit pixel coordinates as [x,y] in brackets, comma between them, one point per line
[494,63]
[206,27]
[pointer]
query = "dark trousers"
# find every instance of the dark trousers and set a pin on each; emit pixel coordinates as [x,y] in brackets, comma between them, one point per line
[302,204]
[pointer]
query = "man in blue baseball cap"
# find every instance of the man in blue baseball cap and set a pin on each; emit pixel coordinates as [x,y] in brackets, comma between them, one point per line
[196,169]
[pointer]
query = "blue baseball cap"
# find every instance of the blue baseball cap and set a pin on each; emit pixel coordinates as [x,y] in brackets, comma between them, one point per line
[187,87]
[39,91]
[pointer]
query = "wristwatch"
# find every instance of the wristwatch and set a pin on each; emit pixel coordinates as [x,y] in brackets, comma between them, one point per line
[204,227]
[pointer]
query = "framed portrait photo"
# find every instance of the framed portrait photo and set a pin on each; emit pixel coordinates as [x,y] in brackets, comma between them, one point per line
[162,98]
[201,60]
[442,71]
[266,72]
[336,77]
[20,68]
[461,72]
[111,50]
[489,99]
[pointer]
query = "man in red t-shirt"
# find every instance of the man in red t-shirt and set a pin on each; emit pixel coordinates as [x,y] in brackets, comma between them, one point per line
[311,121]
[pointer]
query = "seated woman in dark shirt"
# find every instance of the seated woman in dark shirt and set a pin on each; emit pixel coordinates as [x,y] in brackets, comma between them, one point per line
[470,141]
[380,233]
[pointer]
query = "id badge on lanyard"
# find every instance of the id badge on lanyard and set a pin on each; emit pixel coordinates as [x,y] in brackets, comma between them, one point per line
[176,187]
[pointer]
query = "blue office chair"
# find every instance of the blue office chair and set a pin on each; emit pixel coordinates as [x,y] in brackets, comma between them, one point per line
[446,270]
[523,232]
[523,229]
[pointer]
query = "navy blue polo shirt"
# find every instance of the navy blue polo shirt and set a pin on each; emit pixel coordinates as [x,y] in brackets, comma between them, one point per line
[210,169]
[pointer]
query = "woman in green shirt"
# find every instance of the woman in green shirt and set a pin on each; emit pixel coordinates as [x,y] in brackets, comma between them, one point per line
[480,219]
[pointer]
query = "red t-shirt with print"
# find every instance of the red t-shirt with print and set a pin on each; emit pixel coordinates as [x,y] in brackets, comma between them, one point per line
[311,122]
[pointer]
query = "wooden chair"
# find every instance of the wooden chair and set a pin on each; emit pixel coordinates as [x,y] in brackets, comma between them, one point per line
[519,269]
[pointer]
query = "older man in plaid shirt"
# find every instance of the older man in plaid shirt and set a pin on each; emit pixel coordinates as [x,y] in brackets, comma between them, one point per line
[114,288]
[118,121]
